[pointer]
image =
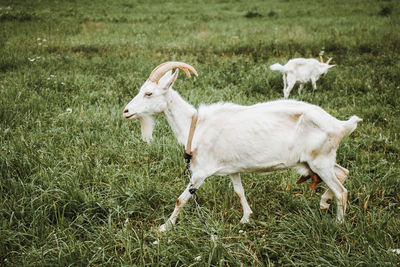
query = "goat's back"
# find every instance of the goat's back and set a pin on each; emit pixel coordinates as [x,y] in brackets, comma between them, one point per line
[303,69]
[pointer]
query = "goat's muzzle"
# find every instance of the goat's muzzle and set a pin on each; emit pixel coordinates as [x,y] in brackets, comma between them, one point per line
[126,114]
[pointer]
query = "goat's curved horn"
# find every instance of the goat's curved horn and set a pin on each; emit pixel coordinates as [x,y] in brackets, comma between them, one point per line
[161,69]
[329,60]
[321,59]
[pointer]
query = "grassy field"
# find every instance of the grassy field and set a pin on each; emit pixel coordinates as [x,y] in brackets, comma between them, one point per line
[79,187]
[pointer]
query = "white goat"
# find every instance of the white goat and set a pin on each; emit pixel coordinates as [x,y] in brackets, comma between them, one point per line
[230,139]
[301,70]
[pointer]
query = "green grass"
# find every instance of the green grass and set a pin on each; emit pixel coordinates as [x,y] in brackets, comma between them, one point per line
[81,188]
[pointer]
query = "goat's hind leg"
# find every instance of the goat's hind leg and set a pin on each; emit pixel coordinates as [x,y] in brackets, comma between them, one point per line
[290,85]
[237,186]
[284,82]
[327,173]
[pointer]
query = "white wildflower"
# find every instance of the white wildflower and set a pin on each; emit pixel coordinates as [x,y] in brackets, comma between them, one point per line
[156,242]
[38,39]
[69,110]
[62,83]
[397,250]
[31,59]
[214,238]
[198,258]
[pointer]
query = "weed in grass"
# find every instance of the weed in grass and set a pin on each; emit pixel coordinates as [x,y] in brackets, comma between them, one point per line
[16,16]
[272,13]
[252,14]
[385,11]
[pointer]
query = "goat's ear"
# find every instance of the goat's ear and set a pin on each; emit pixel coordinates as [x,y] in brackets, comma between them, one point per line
[168,79]
[331,66]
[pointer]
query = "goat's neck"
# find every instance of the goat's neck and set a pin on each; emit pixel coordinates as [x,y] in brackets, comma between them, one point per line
[179,115]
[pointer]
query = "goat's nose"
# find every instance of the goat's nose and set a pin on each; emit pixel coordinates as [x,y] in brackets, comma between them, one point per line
[126,110]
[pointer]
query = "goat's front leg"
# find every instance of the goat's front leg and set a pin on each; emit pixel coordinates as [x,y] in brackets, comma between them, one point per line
[341,174]
[327,174]
[237,186]
[182,199]
[314,83]
[301,86]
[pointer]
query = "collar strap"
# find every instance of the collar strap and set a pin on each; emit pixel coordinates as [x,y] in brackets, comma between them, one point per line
[188,150]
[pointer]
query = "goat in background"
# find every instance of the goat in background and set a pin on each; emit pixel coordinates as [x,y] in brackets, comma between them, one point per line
[301,70]
[229,139]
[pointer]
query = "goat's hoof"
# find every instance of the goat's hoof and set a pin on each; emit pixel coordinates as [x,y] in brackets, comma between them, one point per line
[323,210]
[324,206]
[245,219]
[163,228]
[340,220]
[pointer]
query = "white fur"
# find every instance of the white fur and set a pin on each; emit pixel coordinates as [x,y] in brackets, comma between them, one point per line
[230,139]
[301,70]
[147,124]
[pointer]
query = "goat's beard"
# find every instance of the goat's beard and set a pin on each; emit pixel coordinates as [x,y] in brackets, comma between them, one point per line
[146,123]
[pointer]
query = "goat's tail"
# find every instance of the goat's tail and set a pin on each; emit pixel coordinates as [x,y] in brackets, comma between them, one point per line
[277,66]
[350,125]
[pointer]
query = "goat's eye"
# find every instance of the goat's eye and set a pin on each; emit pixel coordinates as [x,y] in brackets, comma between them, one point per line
[148,94]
